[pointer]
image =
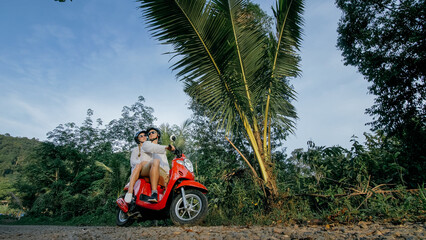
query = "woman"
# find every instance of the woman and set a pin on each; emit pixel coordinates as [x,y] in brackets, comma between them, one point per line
[137,157]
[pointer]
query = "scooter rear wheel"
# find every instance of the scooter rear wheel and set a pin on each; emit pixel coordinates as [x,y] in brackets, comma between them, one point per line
[195,211]
[122,219]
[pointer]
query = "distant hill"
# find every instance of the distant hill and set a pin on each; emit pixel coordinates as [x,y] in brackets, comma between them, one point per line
[13,151]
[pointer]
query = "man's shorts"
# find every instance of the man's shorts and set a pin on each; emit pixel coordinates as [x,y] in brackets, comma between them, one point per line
[163,173]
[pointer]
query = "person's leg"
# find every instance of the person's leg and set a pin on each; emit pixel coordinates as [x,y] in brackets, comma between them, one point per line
[146,169]
[133,178]
[164,175]
[154,174]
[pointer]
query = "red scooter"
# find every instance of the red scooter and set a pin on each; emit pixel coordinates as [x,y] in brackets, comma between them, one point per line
[183,199]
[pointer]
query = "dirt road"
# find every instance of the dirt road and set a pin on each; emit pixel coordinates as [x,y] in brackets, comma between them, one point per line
[362,230]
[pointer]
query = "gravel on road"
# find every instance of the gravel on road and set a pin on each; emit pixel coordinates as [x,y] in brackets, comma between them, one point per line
[361,230]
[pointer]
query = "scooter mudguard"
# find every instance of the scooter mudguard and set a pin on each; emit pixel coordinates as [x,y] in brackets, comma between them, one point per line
[122,205]
[192,183]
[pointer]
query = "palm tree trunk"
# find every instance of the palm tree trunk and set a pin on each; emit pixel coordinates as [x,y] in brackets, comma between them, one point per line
[265,161]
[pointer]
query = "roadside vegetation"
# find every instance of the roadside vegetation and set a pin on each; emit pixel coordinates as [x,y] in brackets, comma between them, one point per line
[74,180]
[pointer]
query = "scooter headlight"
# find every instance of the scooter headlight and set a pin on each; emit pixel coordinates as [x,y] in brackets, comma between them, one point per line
[188,165]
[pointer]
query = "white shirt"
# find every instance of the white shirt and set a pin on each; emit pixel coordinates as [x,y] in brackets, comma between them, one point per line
[135,160]
[156,151]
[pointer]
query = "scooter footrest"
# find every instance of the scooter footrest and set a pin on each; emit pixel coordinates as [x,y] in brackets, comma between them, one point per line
[144,197]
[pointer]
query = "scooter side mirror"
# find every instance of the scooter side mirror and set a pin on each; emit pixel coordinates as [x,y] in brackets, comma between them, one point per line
[172,138]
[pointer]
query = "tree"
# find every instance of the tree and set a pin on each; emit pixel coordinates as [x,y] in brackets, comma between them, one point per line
[13,153]
[233,65]
[385,40]
[134,118]
[84,168]
[118,132]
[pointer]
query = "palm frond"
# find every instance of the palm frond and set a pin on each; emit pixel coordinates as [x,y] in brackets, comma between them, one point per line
[179,23]
[288,15]
[284,62]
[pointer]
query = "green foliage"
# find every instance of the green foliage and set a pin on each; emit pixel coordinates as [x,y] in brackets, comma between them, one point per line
[331,184]
[62,181]
[235,196]
[321,169]
[385,40]
[351,185]
[13,153]
[235,199]
[6,187]
[77,183]
[82,171]
[232,193]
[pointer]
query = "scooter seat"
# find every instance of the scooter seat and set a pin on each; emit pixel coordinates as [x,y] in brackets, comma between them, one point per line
[162,182]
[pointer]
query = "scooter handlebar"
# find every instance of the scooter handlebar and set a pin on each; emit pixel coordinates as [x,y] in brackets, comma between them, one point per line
[177,153]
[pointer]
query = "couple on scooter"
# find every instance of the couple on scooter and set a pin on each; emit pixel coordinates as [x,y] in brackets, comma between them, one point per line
[149,159]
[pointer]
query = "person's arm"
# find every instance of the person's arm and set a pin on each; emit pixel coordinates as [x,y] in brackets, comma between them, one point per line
[153,148]
[134,157]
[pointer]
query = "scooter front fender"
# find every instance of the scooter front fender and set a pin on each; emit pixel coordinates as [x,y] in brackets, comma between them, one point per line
[192,183]
[122,205]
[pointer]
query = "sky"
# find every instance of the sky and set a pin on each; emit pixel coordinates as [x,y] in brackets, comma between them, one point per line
[57,60]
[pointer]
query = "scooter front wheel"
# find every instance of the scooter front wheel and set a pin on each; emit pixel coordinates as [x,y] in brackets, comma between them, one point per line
[195,210]
[122,219]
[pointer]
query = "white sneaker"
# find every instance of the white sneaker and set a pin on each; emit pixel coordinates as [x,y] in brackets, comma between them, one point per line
[128,197]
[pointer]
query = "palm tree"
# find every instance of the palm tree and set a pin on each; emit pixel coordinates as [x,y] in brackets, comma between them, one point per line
[233,66]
